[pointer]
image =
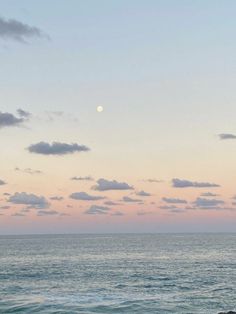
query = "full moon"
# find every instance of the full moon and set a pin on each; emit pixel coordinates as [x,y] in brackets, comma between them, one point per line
[99,108]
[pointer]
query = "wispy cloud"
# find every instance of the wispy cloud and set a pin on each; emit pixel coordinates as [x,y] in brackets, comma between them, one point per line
[168,207]
[5,207]
[87,178]
[153,180]
[209,194]
[199,204]
[175,209]
[227,136]
[143,193]
[22,113]
[178,183]
[16,30]
[18,215]
[83,196]
[47,213]
[97,210]
[128,199]
[52,116]
[29,171]
[25,210]
[178,210]
[64,214]
[111,203]
[56,198]
[117,213]
[143,213]
[174,200]
[56,148]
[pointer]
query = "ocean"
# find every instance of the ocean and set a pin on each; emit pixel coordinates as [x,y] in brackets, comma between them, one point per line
[129,273]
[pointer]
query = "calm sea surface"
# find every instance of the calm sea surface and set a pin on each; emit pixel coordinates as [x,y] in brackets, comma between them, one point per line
[134,274]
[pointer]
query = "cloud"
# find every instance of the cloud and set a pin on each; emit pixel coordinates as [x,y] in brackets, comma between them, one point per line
[207,203]
[64,214]
[117,213]
[47,213]
[2,182]
[143,213]
[173,208]
[85,196]
[167,207]
[227,136]
[29,171]
[22,113]
[9,120]
[5,207]
[87,178]
[15,30]
[97,210]
[190,207]
[128,199]
[34,201]
[56,115]
[143,193]
[174,200]
[18,215]
[199,204]
[111,203]
[56,198]
[153,181]
[178,210]
[25,210]
[209,194]
[56,148]
[178,183]
[106,185]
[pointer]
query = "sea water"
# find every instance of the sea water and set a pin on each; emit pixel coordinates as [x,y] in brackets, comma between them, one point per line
[132,273]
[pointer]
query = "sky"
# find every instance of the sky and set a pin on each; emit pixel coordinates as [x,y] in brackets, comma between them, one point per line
[159,157]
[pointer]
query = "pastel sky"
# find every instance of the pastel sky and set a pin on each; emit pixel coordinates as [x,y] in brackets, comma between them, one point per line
[161,155]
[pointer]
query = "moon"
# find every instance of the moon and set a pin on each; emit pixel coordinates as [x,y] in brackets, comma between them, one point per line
[99,108]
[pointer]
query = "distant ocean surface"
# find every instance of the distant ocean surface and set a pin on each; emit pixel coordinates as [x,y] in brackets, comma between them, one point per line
[133,274]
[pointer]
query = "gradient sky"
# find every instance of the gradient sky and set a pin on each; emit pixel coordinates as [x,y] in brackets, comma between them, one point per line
[165,74]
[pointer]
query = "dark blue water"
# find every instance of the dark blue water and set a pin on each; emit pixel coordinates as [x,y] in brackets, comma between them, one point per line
[118,274]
